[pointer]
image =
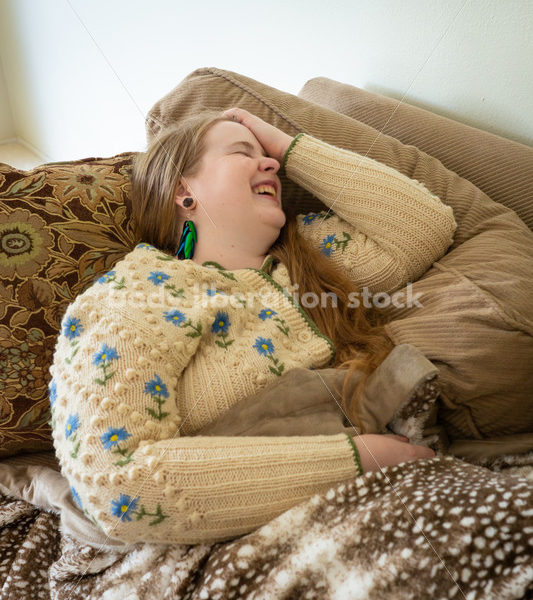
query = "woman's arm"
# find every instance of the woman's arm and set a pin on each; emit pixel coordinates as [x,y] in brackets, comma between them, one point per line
[384,228]
[116,428]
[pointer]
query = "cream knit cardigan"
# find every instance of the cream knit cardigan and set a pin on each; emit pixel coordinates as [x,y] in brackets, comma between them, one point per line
[158,347]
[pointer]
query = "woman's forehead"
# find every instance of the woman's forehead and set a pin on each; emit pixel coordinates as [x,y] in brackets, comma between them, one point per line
[225,133]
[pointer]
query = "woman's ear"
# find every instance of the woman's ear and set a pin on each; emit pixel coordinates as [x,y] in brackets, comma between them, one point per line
[181,193]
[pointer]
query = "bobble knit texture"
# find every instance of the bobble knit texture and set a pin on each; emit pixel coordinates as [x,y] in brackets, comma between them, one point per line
[158,347]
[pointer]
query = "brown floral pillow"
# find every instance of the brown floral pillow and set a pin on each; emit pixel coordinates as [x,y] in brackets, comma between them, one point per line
[61,226]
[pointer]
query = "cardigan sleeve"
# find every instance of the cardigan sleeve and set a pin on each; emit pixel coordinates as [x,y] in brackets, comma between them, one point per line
[116,429]
[383,229]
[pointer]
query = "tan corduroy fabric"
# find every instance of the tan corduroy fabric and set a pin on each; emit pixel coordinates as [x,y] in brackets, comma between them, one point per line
[502,168]
[476,321]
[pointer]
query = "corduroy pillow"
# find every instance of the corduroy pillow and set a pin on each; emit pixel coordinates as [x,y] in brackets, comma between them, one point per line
[476,324]
[61,226]
[501,168]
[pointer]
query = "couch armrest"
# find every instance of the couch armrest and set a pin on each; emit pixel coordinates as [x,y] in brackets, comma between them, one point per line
[501,168]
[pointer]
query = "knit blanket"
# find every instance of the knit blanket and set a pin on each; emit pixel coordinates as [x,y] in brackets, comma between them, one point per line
[441,528]
[424,529]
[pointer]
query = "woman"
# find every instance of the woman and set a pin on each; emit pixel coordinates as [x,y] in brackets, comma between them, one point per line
[200,315]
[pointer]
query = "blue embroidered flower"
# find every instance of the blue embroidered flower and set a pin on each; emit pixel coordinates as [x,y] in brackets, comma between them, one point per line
[76,497]
[264,346]
[213,292]
[102,359]
[71,425]
[113,436]
[52,392]
[158,390]
[123,507]
[267,313]
[308,219]
[156,387]
[105,355]
[145,246]
[327,244]
[174,316]
[107,277]
[221,322]
[157,277]
[220,327]
[72,327]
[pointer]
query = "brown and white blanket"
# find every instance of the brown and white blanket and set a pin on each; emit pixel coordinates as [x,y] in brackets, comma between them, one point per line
[438,528]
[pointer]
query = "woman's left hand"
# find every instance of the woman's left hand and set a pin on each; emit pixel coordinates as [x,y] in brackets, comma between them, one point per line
[274,141]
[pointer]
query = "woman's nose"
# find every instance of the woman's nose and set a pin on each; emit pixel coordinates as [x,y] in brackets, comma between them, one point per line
[269,164]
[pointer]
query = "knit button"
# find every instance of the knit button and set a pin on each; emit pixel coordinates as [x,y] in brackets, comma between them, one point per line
[107,403]
[159,477]
[136,417]
[134,473]
[86,459]
[261,379]
[155,354]
[116,479]
[181,504]
[135,276]
[131,374]
[121,388]
[195,518]
[138,285]
[170,491]
[179,346]
[123,408]
[96,421]
[163,346]
[151,319]
[142,361]
[137,342]
[189,281]
[304,335]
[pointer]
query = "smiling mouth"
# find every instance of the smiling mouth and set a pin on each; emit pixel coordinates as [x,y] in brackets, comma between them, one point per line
[267,197]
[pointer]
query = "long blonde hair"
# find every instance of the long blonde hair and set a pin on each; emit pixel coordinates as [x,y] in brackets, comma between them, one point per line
[357,332]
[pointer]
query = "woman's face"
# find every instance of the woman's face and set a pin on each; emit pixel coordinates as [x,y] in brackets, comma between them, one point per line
[227,207]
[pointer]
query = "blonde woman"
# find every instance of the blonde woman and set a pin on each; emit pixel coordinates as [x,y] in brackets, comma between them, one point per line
[202,314]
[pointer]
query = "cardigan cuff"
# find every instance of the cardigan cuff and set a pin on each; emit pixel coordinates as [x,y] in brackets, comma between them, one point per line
[356,455]
[288,151]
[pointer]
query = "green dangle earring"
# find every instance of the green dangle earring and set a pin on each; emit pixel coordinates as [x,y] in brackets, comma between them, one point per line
[188,236]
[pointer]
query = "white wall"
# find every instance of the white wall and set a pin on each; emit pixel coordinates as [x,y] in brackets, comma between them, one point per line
[82,74]
[7,129]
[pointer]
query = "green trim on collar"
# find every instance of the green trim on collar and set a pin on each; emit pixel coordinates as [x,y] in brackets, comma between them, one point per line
[309,322]
[267,265]
[289,149]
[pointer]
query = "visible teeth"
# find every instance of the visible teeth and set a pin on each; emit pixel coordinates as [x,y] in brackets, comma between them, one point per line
[269,189]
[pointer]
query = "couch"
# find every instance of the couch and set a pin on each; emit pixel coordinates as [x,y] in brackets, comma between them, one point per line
[64,224]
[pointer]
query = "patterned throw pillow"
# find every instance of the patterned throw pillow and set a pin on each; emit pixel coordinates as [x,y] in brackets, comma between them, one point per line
[61,226]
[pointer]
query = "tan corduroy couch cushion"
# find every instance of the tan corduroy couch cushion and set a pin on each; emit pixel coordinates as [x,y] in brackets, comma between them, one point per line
[501,168]
[476,322]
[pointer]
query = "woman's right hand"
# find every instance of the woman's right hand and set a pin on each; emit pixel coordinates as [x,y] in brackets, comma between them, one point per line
[385,450]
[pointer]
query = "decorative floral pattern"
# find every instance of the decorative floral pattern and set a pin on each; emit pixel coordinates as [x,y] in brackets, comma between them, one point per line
[268,313]
[102,359]
[177,318]
[111,439]
[265,347]
[110,277]
[220,327]
[72,329]
[71,427]
[327,243]
[52,248]
[158,277]
[158,390]
[125,506]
